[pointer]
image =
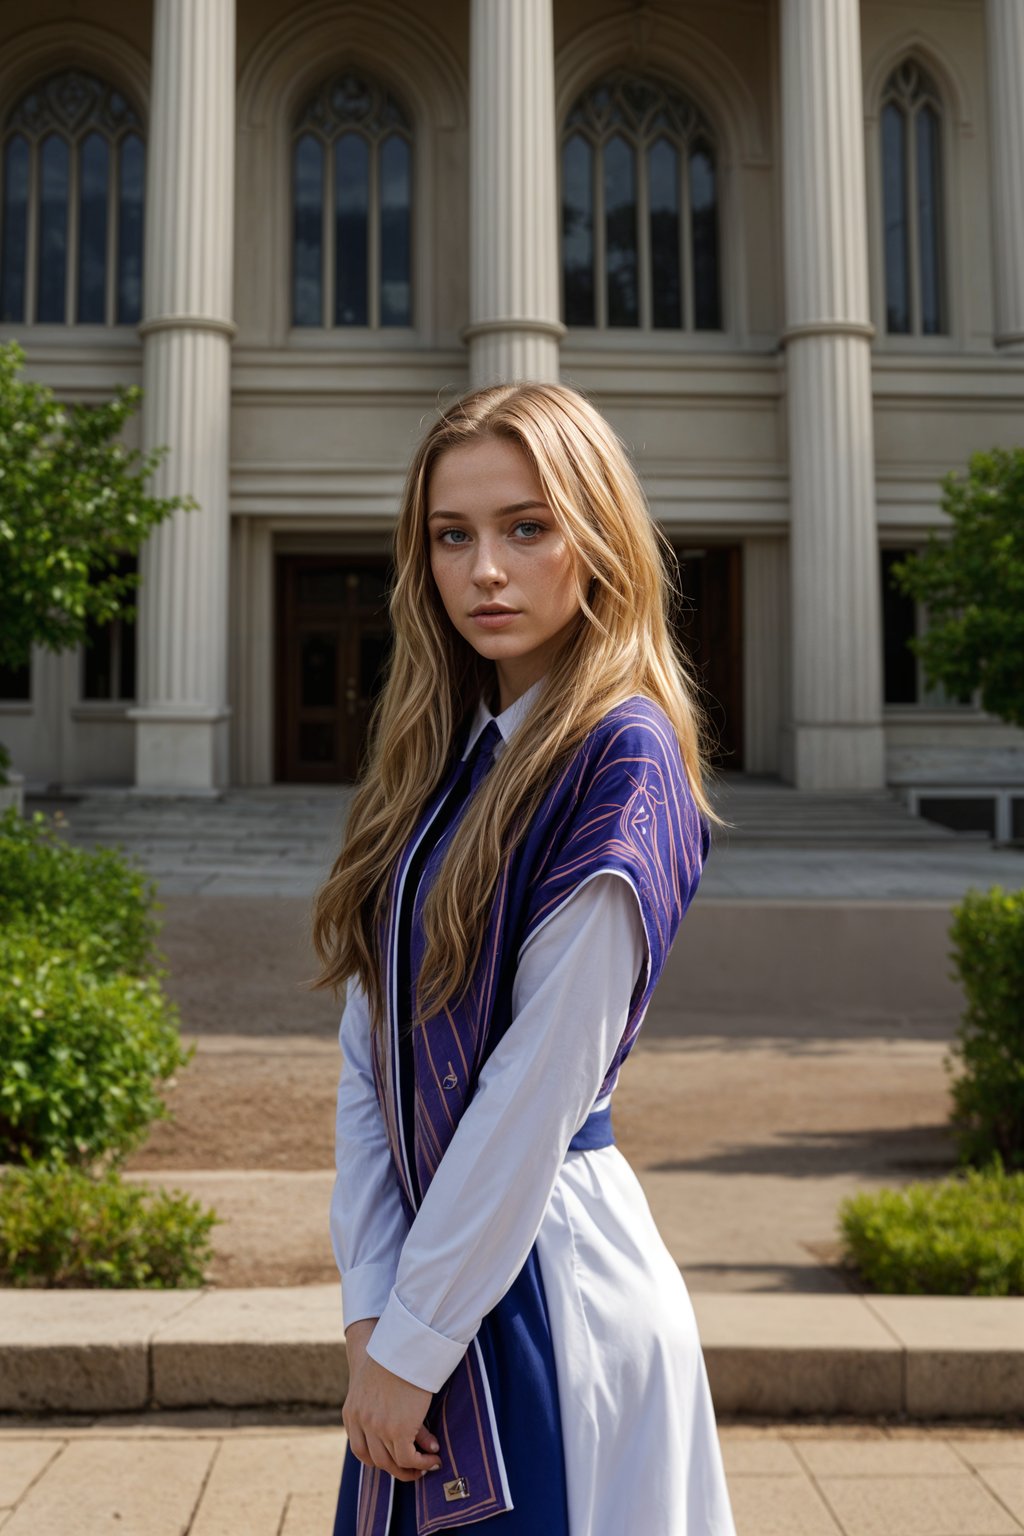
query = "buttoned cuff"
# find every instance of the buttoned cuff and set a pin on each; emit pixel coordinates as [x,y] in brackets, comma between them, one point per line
[365,1291]
[408,1348]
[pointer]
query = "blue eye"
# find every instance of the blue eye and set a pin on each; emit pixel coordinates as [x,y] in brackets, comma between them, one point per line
[528,522]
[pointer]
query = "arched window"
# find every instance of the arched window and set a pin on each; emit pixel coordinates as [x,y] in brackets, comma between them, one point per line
[915,281]
[640,240]
[71,205]
[352,208]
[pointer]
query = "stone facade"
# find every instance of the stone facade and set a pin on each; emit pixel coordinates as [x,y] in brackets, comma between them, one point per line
[784,449]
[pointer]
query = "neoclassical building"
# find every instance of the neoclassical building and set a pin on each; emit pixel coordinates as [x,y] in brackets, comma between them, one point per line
[777,241]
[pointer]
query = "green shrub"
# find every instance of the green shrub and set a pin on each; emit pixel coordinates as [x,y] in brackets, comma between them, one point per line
[988,1099]
[60,1226]
[82,1057]
[961,1236]
[88,901]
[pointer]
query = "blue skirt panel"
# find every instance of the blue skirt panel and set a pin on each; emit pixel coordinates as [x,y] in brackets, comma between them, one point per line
[515,1340]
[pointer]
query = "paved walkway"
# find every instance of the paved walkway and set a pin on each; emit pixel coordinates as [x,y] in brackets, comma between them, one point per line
[784,844]
[231,1474]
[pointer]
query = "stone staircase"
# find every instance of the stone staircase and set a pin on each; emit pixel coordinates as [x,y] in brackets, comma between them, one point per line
[766,811]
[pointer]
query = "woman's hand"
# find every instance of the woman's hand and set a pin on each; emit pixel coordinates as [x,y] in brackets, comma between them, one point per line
[383,1413]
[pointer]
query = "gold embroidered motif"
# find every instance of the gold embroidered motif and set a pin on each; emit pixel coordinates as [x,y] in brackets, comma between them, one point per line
[451,1081]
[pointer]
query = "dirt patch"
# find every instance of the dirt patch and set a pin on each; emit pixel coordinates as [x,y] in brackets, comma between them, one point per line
[766,1099]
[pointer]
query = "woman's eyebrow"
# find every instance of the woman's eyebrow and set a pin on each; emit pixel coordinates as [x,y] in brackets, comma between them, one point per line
[516,506]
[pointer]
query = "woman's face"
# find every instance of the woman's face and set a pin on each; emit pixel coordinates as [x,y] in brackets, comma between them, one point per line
[494,542]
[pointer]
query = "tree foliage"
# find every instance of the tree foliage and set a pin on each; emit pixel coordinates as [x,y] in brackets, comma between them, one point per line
[73,499]
[972,582]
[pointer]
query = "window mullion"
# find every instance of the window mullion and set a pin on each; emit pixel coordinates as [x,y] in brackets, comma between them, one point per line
[373,236]
[688,284]
[32,233]
[600,275]
[913,230]
[113,217]
[71,234]
[327,243]
[643,243]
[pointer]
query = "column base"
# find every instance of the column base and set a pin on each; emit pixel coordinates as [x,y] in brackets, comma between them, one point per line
[837,757]
[180,751]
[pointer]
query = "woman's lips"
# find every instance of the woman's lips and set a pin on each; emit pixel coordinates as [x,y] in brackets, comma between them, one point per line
[493,620]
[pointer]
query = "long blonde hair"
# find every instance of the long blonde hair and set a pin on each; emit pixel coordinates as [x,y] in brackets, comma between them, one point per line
[625,573]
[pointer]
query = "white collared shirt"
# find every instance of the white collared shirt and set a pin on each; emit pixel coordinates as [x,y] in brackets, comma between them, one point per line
[508,720]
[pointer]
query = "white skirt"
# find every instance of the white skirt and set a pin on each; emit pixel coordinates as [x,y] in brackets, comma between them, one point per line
[638,1423]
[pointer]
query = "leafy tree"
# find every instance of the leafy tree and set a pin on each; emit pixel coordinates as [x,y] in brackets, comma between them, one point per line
[973,584]
[73,499]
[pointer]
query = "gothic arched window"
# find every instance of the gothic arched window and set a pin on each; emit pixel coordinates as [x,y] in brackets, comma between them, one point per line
[912,204]
[71,205]
[352,207]
[640,240]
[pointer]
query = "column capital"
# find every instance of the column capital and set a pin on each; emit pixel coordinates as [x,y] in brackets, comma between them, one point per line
[828,328]
[226,328]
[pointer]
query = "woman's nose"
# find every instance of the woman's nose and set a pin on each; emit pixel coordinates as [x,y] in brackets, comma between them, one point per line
[487,562]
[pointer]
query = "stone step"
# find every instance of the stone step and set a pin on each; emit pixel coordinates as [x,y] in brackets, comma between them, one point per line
[92,1351]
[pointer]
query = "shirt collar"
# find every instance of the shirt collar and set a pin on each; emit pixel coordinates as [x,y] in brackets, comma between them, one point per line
[509,718]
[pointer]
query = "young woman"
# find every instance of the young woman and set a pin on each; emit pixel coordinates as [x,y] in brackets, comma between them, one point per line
[528,832]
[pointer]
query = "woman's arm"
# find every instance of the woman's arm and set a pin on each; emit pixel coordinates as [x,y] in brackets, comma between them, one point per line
[483,1209]
[367,1223]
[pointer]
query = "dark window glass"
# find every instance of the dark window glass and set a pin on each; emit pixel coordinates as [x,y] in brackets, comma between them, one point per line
[108,655]
[395,232]
[707,309]
[93,178]
[367,136]
[127,658]
[897,239]
[663,190]
[15,683]
[653,152]
[1017,818]
[578,231]
[53,229]
[130,224]
[352,228]
[15,230]
[98,662]
[307,295]
[929,221]
[898,627]
[963,813]
[620,232]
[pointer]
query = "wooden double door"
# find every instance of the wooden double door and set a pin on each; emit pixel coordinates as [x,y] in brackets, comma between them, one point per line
[334,639]
[333,644]
[710,625]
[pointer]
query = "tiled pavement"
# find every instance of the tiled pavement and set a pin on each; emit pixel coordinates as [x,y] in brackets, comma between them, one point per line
[223,1474]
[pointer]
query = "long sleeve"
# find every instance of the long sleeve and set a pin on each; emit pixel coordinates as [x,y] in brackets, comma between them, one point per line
[367,1223]
[483,1209]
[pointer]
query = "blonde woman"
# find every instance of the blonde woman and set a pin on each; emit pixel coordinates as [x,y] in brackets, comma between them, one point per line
[528,832]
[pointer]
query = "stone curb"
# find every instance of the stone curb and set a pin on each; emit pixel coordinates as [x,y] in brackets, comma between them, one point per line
[111,1351]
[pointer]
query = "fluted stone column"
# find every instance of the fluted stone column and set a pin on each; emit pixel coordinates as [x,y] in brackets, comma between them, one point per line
[182,710]
[1004,21]
[514,328]
[835,583]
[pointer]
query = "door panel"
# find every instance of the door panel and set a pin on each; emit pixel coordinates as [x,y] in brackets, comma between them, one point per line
[333,643]
[709,624]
